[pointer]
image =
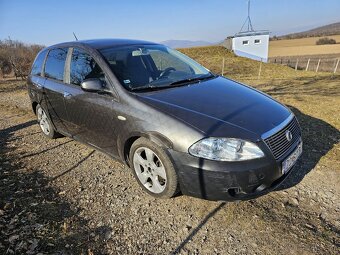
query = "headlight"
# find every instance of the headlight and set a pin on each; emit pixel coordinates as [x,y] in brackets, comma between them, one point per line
[225,149]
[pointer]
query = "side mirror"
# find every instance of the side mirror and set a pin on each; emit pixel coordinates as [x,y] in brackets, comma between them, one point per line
[92,85]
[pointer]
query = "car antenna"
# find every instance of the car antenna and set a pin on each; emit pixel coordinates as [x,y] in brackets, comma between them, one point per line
[75,36]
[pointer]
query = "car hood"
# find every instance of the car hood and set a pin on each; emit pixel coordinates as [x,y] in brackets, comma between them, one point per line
[219,107]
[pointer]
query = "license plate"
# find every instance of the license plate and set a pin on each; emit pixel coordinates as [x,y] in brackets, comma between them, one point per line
[291,160]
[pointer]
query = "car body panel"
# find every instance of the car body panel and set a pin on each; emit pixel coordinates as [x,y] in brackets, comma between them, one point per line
[91,118]
[53,98]
[35,88]
[210,104]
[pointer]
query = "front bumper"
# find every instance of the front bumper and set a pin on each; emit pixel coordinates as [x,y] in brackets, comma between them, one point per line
[228,181]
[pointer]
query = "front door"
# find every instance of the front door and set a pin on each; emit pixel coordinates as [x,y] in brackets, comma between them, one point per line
[91,115]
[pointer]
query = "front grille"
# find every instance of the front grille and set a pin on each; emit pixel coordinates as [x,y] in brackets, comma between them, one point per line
[279,144]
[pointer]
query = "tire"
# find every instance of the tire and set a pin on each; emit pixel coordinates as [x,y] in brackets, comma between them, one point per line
[153,169]
[45,123]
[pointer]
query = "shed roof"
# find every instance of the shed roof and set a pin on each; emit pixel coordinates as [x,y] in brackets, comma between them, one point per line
[252,33]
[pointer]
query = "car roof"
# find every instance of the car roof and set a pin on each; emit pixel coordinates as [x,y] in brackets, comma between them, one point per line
[104,43]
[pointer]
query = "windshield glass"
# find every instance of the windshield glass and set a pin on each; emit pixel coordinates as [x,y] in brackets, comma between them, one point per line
[140,67]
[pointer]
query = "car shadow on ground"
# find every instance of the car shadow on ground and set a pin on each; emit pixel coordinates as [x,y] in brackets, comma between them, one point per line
[34,218]
[319,138]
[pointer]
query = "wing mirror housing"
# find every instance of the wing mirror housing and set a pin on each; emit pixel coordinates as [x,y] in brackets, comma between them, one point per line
[92,85]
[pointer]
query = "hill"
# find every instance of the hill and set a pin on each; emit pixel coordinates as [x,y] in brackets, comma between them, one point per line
[327,30]
[237,67]
[184,43]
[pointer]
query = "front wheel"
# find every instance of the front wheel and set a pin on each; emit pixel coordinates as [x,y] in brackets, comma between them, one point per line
[153,169]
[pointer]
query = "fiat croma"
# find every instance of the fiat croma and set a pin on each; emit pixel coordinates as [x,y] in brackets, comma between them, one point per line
[178,126]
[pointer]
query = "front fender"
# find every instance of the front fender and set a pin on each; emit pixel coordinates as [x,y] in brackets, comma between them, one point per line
[124,144]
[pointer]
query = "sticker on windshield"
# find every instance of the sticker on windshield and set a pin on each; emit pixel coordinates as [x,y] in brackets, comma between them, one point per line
[127,81]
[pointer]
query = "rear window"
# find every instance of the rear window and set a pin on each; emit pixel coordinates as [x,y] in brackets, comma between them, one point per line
[55,63]
[38,63]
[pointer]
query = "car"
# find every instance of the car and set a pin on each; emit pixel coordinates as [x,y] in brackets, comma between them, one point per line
[181,128]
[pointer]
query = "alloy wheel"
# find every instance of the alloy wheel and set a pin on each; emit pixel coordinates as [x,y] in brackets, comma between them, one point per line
[149,170]
[43,121]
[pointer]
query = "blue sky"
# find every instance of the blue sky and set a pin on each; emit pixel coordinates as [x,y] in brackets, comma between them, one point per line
[48,22]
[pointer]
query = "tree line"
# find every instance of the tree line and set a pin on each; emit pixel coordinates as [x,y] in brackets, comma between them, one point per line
[16,57]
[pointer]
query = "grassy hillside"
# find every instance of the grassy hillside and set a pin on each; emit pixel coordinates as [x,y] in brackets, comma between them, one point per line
[331,29]
[238,67]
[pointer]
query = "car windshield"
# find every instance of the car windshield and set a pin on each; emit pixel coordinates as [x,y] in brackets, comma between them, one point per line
[141,67]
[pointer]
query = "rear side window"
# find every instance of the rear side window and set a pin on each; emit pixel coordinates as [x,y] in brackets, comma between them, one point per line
[38,63]
[83,67]
[55,63]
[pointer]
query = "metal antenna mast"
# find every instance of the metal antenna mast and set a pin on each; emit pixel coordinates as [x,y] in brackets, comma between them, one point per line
[75,36]
[248,21]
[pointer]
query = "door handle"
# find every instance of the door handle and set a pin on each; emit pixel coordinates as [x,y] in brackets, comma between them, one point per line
[67,95]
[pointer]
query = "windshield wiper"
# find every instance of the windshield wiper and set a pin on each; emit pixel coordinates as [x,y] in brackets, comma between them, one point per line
[172,84]
[145,87]
[190,80]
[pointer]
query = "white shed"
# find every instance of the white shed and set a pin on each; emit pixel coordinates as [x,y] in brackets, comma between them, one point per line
[249,43]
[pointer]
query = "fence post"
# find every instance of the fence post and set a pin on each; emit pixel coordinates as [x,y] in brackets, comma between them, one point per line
[223,66]
[258,77]
[336,66]
[296,64]
[307,64]
[317,67]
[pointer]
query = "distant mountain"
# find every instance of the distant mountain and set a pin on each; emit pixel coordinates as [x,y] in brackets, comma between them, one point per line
[331,29]
[185,43]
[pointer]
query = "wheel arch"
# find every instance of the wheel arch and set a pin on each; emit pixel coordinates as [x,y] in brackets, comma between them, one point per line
[34,107]
[155,137]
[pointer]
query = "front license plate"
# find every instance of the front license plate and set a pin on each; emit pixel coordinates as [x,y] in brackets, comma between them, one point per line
[291,160]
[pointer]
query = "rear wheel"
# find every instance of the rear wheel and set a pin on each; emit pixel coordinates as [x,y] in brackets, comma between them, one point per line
[153,169]
[45,123]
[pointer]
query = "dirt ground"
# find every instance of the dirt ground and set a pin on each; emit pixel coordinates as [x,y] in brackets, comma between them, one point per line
[61,197]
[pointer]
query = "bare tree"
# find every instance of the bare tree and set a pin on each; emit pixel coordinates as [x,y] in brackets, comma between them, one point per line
[17,57]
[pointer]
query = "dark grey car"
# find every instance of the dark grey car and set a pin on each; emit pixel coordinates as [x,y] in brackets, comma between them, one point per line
[177,125]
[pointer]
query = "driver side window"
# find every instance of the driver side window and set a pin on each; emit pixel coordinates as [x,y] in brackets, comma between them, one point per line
[83,67]
[163,61]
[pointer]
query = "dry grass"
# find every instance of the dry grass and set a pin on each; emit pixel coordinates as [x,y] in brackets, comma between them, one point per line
[312,98]
[303,46]
[239,67]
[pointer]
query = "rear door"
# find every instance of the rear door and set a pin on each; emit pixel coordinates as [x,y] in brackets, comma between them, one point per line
[55,87]
[35,80]
[91,115]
